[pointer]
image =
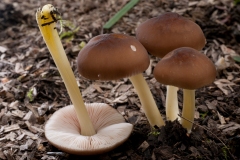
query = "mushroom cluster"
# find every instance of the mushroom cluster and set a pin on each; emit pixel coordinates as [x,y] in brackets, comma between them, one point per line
[96,128]
[164,33]
[177,40]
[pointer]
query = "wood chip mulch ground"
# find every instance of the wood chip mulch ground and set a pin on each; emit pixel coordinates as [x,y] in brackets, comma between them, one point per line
[31,89]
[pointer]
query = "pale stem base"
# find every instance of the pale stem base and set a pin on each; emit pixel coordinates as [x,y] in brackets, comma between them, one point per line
[148,104]
[172,110]
[188,109]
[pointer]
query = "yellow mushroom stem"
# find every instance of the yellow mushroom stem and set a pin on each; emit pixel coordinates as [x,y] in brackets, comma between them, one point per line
[188,109]
[148,104]
[172,110]
[46,19]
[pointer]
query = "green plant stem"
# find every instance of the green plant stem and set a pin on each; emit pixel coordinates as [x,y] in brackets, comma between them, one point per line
[120,13]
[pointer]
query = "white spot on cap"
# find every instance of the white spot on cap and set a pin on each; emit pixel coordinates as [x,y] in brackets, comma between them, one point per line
[133,48]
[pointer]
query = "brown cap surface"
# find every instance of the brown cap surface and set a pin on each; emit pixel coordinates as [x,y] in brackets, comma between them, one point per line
[169,31]
[63,130]
[111,57]
[185,68]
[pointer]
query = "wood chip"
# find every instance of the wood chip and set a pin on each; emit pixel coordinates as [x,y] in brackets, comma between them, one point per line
[123,98]
[31,135]
[227,50]
[3,49]
[28,116]
[194,3]
[43,108]
[30,127]
[11,136]
[230,131]
[24,156]
[18,113]
[20,137]
[26,145]
[222,84]
[211,105]
[226,125]
[11,128]
[34,110]
[97,87]
[14,105]
[2,112]
[221,118]
[3,138]
[113,90]
[39,130]
[88,90]
[149,69]
[2,156]
[121,109]
[143,146]
[123,88]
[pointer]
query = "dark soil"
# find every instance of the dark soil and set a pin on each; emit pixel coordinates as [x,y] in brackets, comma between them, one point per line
[31,89]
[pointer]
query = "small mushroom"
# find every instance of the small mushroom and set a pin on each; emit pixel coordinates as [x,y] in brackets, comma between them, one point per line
[162,34]
[115,56]
[189,69]
[78,129]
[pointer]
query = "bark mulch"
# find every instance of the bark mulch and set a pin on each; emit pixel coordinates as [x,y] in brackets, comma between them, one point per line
[31,89]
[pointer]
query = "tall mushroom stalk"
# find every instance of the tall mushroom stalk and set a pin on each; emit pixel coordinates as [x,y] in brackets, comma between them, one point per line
[80,129]
[46,19]
[148,104]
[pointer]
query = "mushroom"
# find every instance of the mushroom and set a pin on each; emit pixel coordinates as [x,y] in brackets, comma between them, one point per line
[114,56]
[189,69]
[63,129]
[77,128]
[162,34]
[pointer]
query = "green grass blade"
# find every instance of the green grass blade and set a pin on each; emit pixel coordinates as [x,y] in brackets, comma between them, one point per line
[237,58]
[120,13]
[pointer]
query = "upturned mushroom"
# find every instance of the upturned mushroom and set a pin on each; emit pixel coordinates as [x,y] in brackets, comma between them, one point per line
[114,56]
[162,34]
[189,69]
[78,129]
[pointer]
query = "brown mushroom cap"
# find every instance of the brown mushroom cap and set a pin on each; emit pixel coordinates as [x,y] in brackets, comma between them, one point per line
[169,31]
[111,57]
[185,68]
[63,130]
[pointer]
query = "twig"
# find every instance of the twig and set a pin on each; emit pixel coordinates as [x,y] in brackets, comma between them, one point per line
[5,62]
[56,154]
[209,132]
